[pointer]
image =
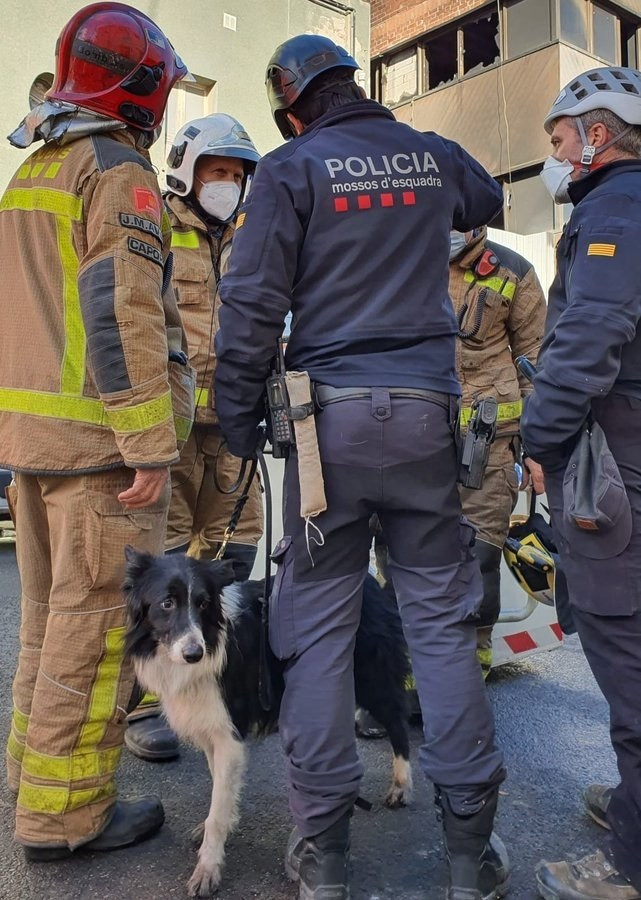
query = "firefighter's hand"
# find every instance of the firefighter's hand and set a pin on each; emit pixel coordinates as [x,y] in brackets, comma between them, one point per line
[147,487]
[533,474]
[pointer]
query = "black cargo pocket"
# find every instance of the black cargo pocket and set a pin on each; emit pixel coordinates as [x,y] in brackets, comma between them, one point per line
[282,635]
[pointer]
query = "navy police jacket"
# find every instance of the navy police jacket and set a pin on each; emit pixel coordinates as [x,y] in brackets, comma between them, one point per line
[348,226]
[592,343]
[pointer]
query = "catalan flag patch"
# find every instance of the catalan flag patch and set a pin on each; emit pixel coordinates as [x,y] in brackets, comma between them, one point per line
[601,249]
[240,220]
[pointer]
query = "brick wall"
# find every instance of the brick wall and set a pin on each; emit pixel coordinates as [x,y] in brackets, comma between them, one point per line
[396,22]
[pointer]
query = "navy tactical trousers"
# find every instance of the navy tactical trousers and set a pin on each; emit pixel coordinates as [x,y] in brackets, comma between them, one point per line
[396,457]
[606,606]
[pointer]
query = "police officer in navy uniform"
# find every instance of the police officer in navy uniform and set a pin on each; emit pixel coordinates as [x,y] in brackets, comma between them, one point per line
[348,225]
[590,371]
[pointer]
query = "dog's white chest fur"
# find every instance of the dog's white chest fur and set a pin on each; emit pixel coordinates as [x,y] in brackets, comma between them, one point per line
[190,696]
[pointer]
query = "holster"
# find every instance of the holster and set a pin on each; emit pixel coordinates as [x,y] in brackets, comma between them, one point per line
[310,472]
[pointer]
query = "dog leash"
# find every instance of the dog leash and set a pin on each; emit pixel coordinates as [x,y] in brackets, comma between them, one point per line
[265,684]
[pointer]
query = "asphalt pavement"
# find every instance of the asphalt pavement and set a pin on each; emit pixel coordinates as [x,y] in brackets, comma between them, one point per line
[552,723]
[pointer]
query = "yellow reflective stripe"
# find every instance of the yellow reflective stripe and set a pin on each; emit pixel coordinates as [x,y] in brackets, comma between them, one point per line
[182,427]
[14,748]
[54,801]
[150,700]
[505,412]
[494,283]
[48,200]
[202,396]
[142,416]
[186,239]
[410,683]
[19,721]
[87,409]
[72,375]
[76,767]
[104,692]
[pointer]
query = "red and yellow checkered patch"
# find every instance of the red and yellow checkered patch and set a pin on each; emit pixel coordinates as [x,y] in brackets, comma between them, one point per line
[601,249]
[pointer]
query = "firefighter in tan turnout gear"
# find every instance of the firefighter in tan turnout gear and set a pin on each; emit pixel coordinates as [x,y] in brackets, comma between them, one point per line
[92,359]
[500,308]
[208,168]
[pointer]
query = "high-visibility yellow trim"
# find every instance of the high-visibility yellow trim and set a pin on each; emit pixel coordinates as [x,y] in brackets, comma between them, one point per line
[601,249]
[39,199]
[142,416]
[149,700]
[52,170]
[72,375]
[182,427]
[19,721]
[186,239]
[52,801]
[202,396]
[14,748]
[66,769]
[104,692]
[505,412]
[24,171]
[87,409]
[494,283]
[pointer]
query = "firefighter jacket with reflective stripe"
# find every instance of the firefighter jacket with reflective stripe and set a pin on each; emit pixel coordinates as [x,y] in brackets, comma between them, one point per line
[348,226]
[592,343]
[200,253]
[501,315]
[84,382]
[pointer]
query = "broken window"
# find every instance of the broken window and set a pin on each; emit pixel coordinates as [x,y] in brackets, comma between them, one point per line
[481,47]
[441,54]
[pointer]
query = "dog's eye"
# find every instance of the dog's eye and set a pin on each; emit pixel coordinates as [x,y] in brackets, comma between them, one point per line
[168,603]
[203,603]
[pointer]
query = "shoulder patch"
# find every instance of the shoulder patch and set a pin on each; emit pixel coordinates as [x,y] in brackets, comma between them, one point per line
[602,249]
[142,249]
[146,201]
[128,220]
[110,153]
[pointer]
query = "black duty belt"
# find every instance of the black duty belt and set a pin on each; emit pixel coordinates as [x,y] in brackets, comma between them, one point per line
[325,394]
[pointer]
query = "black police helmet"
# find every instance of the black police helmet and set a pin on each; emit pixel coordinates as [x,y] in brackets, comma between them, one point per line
[293,67]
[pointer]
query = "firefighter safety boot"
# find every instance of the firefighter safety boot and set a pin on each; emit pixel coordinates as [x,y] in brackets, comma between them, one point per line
[320,864]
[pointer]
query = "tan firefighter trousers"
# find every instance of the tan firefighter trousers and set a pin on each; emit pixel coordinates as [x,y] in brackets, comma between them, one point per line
[72,689]
[199,512]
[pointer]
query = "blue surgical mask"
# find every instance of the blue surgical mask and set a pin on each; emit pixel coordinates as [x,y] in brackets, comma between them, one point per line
[458,243]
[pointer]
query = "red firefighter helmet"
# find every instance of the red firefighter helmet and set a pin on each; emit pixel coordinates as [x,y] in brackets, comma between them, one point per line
[114,60]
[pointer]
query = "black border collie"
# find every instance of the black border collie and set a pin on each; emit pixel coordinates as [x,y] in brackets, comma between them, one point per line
[194,639]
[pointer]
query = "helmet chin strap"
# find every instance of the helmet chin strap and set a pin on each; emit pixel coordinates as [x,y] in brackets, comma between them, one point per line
[589,152]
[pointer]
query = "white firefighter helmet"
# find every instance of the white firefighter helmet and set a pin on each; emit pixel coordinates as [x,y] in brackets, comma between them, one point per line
[611,87]
[215,135]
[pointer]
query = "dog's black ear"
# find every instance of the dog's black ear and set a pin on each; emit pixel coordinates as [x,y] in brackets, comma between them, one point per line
[223,571]
[138,561]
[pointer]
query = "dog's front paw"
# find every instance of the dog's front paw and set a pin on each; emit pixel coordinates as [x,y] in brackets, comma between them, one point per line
[196,835]
[397,797]
[205,880]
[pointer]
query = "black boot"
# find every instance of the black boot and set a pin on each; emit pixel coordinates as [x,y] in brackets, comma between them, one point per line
[477,858]
[320,863]
[131,822]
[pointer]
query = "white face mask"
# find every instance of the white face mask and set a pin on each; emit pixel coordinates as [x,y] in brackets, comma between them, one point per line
[557,177]
[219,199]
[458,242]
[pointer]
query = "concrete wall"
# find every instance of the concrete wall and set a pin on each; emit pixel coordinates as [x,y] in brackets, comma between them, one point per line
[234,60]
